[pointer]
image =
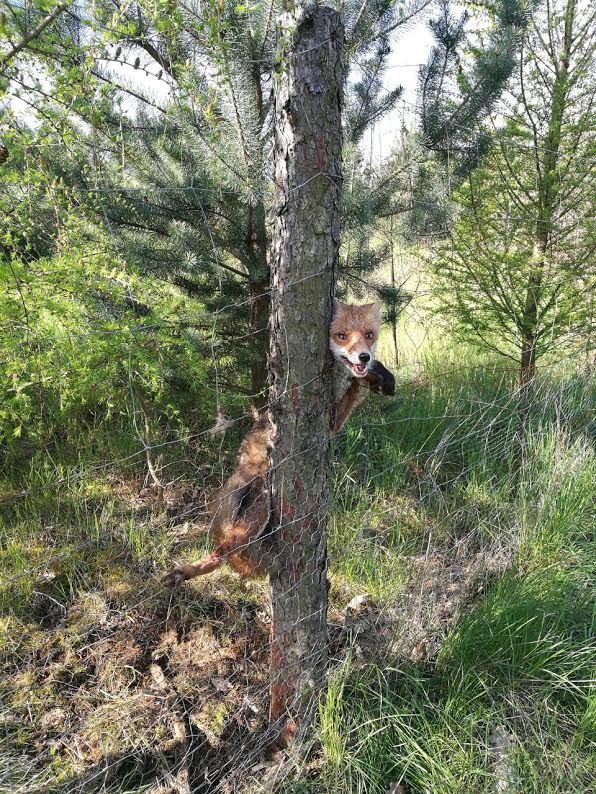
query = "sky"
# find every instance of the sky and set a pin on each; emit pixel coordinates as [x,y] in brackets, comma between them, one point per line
[410,49]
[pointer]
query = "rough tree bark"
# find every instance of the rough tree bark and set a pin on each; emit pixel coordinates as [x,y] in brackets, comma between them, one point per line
[304,253]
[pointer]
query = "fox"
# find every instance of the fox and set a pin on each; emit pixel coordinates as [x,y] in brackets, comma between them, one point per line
[353,338]
[240,514]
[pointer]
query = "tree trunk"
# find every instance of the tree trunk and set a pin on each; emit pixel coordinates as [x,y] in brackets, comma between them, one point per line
[260,305]
[304,254]
[548,188]
[528,360]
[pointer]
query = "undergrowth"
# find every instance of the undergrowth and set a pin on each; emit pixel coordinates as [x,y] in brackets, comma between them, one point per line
[506,699]
[462,570]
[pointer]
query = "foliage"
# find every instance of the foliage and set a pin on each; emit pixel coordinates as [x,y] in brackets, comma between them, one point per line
[517,273]
[166,110]
[426,497]
[91,343]
[457,95]
[134,256]
[508,698]
[174,120]
[482,269]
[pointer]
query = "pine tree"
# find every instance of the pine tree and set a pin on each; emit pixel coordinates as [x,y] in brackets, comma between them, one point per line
[517,274]
[176,105]
[459,90]
[200,163]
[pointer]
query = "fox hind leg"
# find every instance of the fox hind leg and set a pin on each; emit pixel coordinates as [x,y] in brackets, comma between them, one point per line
[177,576]
[234,549]
[211,562]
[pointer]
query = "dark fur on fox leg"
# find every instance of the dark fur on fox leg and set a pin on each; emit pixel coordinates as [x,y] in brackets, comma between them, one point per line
[284,738]
[377,380]
[245,549]
[380,380]
[239,515]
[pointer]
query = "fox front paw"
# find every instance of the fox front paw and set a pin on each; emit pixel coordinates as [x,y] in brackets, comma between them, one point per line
[380,380]
[175,578]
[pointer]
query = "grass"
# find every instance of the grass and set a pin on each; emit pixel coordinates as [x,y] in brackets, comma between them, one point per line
[469,668]
[506,703]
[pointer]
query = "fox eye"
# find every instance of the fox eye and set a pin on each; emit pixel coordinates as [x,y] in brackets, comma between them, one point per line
[342,337]
[369,334]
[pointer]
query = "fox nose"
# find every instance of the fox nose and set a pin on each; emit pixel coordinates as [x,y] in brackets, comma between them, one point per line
[364,357]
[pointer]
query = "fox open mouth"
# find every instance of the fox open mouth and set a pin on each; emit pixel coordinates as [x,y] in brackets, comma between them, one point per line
[359,370]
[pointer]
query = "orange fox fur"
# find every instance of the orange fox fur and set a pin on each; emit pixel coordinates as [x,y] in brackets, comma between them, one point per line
[240,513]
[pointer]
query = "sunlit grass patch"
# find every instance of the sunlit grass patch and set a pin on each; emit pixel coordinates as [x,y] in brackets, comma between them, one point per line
[528,630]
[558,500]
[508,702]
[520,664]
[380,728]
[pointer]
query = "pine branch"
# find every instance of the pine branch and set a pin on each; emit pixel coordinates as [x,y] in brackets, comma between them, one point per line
[35,33]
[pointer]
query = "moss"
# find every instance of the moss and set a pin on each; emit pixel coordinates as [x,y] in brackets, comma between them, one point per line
[212,719]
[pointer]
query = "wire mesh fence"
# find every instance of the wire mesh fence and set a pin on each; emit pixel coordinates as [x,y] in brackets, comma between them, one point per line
[114,681]
[115,678]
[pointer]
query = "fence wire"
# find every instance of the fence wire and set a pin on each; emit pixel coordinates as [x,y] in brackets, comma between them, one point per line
[112,682]
[121,684]
[172,688]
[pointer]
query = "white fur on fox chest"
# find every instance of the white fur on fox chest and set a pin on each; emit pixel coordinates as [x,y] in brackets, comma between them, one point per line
[342,379]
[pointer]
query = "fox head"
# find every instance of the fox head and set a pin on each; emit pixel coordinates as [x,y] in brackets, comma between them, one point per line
[354,334]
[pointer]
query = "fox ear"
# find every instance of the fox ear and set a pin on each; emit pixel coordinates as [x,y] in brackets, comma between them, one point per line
[338,306]
[374,309]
